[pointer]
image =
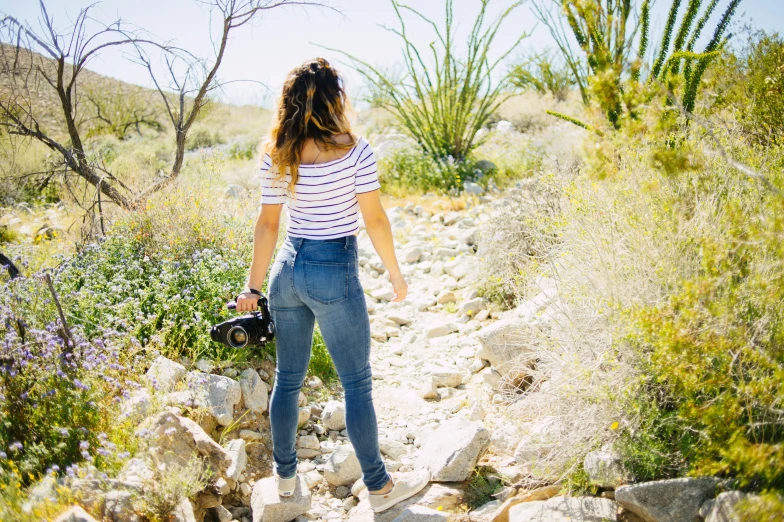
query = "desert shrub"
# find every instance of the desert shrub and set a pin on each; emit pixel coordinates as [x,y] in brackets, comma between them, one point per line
[59,401]
[767,507]
[161,495]
[408,169]
[15,501]
[750,85]
[544,74]
[444,103]
[242,150]
[202,138]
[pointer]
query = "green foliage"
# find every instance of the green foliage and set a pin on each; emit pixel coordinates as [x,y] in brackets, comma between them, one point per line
[161,495]
[120,112]
[443,105]
[202,138]
[482,484]
[610,75]
[58,402]
[242,150]
[320,361]
[407,169]
[543,74]
[16,504]
[751,85]
[767,507]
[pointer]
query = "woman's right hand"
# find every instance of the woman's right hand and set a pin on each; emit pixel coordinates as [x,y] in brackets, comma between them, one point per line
[247,302]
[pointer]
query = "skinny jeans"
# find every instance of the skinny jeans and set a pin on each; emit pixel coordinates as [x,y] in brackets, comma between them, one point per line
[318,280]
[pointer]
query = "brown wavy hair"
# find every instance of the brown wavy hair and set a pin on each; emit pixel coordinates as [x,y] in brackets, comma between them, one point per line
[313,104]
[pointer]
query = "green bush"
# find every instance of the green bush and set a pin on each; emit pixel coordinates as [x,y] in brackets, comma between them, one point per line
[751,85]
[59,403]
[202,138]
[407,169]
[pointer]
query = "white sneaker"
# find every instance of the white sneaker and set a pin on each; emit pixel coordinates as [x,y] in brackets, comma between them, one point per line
[286,486]
[404,485]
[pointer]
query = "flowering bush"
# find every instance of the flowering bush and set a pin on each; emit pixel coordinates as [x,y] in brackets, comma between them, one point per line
[58,401]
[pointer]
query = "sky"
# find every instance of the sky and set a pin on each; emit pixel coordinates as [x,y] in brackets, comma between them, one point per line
[259,55]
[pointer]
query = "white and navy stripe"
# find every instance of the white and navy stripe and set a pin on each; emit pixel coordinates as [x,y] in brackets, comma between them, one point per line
[325,205]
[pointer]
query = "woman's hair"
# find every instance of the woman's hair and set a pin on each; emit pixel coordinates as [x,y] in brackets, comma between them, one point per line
[312,105]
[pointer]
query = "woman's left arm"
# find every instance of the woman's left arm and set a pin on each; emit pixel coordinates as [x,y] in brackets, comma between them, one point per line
[265,237]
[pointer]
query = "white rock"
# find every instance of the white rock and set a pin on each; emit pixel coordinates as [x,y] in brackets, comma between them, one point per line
[399,318]
[417,513]
[674,500]
[439,330]
[254,391]
[722,508]
[268,506]
[429,390]
[412,255]
[304,416]
[239,459]
[453,449]
[383,294]
[444,377]
[472,307]
[216,394]
[309,442]
[165,373]
[342,467]
[565,509]
[75,514]
[604,468]
[504,342]
[505,439]
[446,296]
[334,416]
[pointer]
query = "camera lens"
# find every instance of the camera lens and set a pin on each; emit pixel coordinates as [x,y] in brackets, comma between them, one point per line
[237,336]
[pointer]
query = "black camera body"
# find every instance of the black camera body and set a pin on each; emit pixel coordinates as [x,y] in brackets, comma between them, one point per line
[253,329]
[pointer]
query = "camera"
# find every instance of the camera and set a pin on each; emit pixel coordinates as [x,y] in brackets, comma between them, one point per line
[253,329]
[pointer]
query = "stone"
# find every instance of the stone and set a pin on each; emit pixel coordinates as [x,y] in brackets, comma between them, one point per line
[222,514]
[444,377]
[304,416]
[267,506]
[138,405]
[253,436]
[216,394]
[342,492]
[312,478]
[429,389]
[475,412]
[485,511]
[543,493]
[604,468]
[75,514]
[315,383]
[439,330]
[565,509]
[722,508]
[118,506]
[309,442]
[504,439]
[412,254]
[491,377]
[254,391]
[399,318]
[173,439]
[503,342]
[334,416]
[472,188]
[538,439]
[446,296]
[239,458]
[393,448]
[674,500]
[451,452]
[342,468]
[165,373]
[383,294]
[417,513]
[183,512]
[472,307]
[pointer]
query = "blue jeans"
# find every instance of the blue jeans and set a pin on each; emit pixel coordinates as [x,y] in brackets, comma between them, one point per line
[318,280]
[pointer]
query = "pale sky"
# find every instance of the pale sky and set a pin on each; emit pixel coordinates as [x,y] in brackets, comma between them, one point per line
[286,36]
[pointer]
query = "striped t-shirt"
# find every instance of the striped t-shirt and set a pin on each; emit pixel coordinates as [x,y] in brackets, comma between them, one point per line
[325,204]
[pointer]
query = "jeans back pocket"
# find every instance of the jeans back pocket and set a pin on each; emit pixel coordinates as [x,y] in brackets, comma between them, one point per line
[326,282]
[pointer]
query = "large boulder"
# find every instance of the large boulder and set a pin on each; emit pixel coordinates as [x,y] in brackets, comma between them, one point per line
[342,467]
[164,373]
[216,394]
[239,458]
[539,439]
[675,500]
[503,342]
[565,509]
[254,391]
[173,439]
[451,452]
[268,506]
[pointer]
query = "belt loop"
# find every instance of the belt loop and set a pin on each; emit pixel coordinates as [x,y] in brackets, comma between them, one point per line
[345,242]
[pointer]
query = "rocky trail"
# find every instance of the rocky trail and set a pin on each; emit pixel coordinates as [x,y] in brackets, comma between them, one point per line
[442,391]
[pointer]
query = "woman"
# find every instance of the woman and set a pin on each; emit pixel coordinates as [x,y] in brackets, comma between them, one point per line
[328,173]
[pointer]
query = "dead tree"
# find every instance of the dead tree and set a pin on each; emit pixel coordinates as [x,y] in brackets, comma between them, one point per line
[35,59]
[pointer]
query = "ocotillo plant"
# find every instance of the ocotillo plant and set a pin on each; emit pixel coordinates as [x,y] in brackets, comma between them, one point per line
[444,104]
[606,31]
